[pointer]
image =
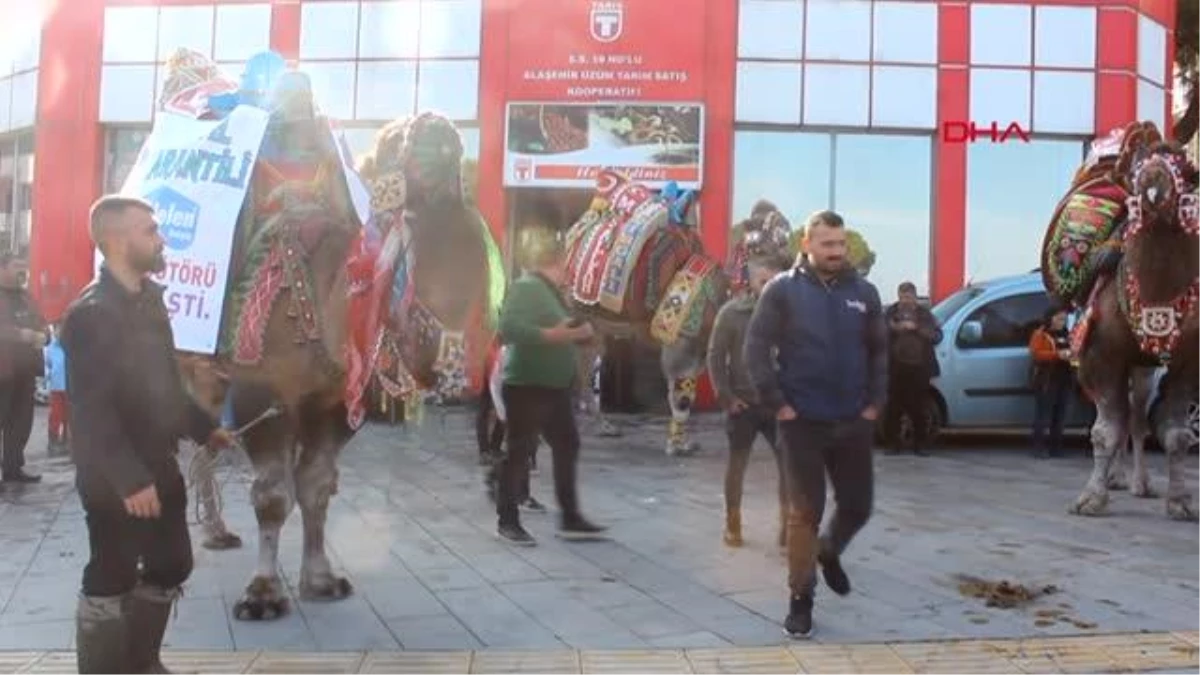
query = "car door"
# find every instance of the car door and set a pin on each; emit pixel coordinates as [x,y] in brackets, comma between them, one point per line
[993,372]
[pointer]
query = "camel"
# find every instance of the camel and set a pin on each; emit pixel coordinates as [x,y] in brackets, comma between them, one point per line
[1141,313]
[449,277]
[638,269]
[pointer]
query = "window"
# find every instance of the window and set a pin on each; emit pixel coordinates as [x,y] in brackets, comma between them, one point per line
[16,193]
[879,183]
[121,150]
[791,169]
[882,189]
[1012,189]
[1009,322]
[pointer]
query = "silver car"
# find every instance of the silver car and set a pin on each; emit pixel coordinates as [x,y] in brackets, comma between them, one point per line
[985,362]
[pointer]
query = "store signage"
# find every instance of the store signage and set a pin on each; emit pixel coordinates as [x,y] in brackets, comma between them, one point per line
[954,132]
[567,144]
[606,50]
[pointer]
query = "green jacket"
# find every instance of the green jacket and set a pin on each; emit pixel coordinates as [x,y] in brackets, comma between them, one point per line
[531,305]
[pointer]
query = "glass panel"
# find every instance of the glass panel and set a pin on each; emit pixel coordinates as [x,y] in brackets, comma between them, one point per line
[1009,322]
[882,190]
[791,169]
[1012,189]
[121,153]
[7,189]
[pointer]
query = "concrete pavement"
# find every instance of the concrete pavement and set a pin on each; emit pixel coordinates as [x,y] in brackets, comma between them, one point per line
[413,530]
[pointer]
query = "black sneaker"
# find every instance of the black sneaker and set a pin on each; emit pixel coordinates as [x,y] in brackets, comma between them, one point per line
[534,505]
[19,476]
[799,623]
[516,535]
[579,528]
[831,569]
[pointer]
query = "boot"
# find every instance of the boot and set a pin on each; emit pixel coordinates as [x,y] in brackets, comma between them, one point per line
[101,633]
[733,529]
[149,611]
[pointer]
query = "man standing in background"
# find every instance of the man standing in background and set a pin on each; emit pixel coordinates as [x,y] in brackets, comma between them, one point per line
[912,363]
[23,335]
[745,418]
[816,351]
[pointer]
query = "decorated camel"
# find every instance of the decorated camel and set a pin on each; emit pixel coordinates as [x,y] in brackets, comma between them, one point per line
[1123,248]
[448,279]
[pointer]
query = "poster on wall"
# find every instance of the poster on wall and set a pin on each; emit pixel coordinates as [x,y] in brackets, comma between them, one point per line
[567,144]
[196,173]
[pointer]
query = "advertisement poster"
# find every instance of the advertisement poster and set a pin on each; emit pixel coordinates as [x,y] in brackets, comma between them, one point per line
[196,173]
[607,50]
[566,145]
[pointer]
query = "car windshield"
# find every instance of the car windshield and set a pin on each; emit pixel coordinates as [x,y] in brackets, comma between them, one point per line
[947,308]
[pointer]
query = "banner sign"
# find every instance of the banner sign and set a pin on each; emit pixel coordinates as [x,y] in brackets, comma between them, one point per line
[566,145]
[196,174]
[607,50]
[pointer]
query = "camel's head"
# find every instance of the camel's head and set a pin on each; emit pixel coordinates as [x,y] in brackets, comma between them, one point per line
[1164,189]
[764,236]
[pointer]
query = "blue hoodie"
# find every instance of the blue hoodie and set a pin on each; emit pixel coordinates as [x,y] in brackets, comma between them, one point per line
[56,365]
[820,347]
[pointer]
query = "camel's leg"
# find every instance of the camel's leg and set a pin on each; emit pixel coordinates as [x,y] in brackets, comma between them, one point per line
[316,482]
[681,363]
[217,536]
[1176,434]
[271,446]
[589,387]
[1108,433]
[1141,380]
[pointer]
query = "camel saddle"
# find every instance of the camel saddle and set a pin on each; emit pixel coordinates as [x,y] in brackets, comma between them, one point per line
[1083,241]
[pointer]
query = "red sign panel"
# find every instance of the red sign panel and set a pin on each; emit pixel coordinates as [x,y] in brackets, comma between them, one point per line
[606,50]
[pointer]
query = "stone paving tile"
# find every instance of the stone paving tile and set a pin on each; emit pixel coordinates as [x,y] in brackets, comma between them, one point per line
[745,660]
[417,662]
[495,661]
[412,530]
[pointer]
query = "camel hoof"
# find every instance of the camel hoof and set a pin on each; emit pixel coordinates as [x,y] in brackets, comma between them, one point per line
[264,600]
[222,541]
[326,587]
[1143,490]
[682,449]
[1180,508]
[1090,504]
[1117,483]
[608,430]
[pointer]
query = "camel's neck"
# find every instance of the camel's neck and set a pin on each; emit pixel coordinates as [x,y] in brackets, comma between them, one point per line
[1163,260]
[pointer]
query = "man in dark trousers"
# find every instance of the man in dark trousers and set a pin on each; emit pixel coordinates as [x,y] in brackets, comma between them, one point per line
[912,363]
[23,335]
[745,418]
[540,368]
[816,351]
[130,411]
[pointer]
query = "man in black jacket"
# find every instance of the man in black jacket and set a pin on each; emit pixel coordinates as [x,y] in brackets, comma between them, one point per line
[912,363]
[816,352]
[130,411]
[22,336]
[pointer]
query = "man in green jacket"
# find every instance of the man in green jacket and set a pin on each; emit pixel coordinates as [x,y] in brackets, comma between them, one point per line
[539,376]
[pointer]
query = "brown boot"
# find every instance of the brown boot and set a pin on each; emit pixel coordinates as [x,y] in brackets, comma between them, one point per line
[733,529]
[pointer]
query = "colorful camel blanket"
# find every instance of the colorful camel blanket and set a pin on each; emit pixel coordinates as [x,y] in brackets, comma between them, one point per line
[1082,237]
[607,248]
[688,303]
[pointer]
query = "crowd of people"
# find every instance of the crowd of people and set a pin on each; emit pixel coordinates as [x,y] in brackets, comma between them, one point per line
[808,359]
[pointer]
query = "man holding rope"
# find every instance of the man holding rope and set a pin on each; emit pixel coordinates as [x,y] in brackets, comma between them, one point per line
[131,410]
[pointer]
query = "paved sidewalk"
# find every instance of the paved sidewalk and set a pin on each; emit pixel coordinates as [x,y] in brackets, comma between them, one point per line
[413,531]
[1123,653]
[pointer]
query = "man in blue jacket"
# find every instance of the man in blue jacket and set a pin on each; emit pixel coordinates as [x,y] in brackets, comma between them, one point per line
[816,352]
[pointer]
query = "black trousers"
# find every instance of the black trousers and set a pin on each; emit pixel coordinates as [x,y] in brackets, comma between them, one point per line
[119,542]
[534,412]
[1052,391]
[811,449]
[742,429]
[16,420]
[908,395]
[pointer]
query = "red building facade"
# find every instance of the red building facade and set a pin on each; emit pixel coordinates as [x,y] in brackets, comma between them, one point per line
[805,102]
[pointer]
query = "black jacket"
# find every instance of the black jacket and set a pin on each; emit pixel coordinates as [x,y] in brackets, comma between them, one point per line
[17,311]
[128,404]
